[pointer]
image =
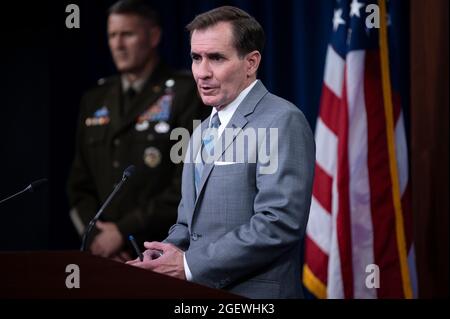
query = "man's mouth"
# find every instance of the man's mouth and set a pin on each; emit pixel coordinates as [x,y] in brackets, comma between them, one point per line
[205,89]
[121,55]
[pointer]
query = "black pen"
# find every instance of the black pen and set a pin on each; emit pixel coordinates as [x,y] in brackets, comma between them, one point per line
[136,247]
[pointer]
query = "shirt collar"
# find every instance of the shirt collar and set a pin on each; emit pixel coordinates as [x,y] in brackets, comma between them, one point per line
[137,85]
[226,113]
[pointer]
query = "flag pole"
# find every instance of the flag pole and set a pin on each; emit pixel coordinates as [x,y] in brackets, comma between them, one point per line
[390,128]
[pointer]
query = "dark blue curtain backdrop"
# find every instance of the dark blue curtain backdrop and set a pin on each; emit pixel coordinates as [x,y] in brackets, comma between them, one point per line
[297,33]
[46,68]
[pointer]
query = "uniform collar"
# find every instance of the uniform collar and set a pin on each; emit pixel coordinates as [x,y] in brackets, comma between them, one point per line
[150,77]
[136,85]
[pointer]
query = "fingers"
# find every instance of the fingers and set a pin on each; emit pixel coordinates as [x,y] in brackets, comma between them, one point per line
[122,256]
[151,254]
[156,245]
[96,248]
[146,264]
[100,225]
[125,255]
[118,258]
[133,262]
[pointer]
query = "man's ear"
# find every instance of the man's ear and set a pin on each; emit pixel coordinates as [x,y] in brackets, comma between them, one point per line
[253,59]
[155,36]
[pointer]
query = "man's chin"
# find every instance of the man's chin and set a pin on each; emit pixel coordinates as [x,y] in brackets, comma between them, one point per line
[207,100]
[124,68]
[208,103]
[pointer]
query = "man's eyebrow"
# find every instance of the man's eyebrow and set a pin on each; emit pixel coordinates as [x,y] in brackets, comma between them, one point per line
[210,55]
[215,55]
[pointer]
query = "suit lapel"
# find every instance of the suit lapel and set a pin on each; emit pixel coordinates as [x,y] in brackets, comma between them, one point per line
[196,146]
[237,123]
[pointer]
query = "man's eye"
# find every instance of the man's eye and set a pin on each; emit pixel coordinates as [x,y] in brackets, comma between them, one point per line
[217,58]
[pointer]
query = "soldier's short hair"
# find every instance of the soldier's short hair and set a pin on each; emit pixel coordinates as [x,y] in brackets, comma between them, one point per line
[247,32]
[137,7]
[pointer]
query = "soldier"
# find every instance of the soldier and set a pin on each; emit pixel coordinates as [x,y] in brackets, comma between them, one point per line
[127,120]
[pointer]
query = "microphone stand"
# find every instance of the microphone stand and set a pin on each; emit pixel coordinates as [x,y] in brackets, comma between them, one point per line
[99,213]
[16,194]
[30,188]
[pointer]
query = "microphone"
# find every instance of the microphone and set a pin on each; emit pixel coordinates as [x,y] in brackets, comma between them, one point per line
[34,186]
[126,174]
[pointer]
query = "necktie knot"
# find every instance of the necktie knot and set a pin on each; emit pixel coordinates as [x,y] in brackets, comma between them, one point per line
[131,93]
[211,133]
[215,121]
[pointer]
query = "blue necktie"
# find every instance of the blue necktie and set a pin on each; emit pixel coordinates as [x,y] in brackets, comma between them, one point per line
[207,145]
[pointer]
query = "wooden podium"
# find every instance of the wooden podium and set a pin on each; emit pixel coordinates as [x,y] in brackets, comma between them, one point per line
[43,275]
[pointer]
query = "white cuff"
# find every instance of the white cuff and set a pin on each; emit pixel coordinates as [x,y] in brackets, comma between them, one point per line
[76,220]
[187,272]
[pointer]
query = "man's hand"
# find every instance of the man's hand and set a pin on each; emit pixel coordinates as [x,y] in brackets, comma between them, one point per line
[108,242]
[169,263]
[122,257]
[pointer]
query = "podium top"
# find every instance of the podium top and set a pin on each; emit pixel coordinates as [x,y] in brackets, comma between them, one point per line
[56,274]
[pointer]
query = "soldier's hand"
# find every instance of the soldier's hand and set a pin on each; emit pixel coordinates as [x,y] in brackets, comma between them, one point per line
[108,242]
[123,256]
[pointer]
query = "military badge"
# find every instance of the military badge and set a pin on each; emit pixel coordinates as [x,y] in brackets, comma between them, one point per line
[152,157]
[162,127]
[158,111]
[170,83]
[100,117]
[141,126]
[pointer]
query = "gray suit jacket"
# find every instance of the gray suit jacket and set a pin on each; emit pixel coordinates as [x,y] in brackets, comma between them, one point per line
[244,230]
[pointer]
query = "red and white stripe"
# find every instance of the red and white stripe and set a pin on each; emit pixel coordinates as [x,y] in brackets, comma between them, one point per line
[352,221]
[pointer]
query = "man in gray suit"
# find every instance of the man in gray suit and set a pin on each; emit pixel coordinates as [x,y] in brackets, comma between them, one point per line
[240,223]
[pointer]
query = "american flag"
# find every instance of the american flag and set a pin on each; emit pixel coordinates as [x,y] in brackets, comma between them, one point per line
[359,235]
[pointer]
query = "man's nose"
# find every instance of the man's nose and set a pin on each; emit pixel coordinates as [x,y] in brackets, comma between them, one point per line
[117,42]
[204,70]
